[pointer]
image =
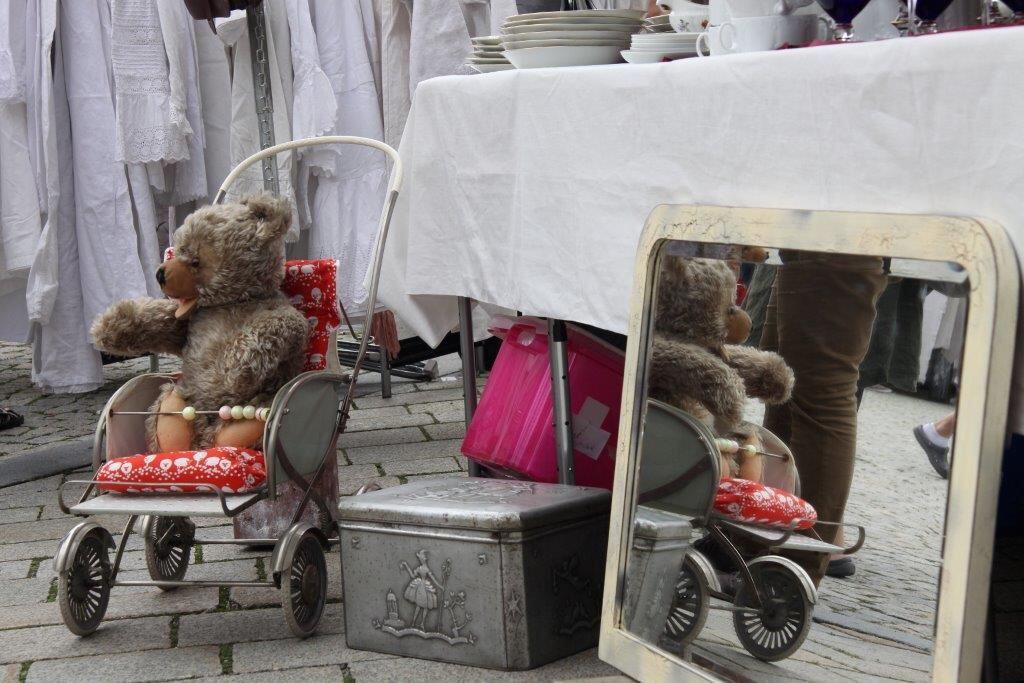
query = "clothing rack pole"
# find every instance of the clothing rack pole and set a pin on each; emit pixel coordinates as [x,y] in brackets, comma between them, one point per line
[258,52]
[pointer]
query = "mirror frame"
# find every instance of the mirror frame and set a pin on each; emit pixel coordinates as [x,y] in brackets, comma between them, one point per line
[983,249]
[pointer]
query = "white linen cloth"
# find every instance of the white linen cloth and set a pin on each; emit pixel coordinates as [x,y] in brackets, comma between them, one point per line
[336,60]
[214,82]
[509,200]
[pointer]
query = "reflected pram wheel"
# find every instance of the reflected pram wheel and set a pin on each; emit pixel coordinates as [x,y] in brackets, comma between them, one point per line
[83,589]
[779,627]
[689,606]
[304,586]
[168,546]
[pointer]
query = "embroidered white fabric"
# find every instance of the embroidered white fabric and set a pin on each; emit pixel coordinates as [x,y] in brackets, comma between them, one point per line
[151,120]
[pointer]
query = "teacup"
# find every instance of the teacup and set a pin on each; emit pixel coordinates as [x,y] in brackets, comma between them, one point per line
[756,34]
[686,16]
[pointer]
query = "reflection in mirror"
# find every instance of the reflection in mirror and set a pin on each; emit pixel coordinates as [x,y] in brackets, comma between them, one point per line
[794,447]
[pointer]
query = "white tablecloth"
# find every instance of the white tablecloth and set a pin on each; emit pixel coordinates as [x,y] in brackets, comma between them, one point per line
[529,189]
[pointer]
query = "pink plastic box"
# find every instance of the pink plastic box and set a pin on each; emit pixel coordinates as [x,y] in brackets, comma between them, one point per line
[512,428]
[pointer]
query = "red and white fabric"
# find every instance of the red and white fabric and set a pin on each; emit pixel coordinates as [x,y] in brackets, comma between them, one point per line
[228,469]
[311,286]
[748,501]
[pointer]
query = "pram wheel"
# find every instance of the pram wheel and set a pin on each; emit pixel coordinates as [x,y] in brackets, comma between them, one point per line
[779,627]
[689,606]
[304,585]
[168,546]
[83,588]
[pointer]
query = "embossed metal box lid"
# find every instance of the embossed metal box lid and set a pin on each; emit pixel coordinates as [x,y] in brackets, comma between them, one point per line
[658,525]
[476,503]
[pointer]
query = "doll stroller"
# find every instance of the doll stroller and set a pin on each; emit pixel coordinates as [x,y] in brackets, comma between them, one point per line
[299,443]
[774,601]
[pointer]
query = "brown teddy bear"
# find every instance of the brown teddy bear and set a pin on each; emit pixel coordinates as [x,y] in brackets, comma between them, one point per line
[239,338]
[697,363]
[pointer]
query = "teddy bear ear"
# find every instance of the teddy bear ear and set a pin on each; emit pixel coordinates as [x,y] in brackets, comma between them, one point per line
[271,213]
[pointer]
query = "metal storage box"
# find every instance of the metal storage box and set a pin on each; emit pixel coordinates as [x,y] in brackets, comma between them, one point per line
[660,542]
[492,573]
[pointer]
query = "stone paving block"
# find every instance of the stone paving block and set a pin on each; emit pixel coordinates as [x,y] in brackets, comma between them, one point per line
[54,642]
[454,413]
[15,569]
[380,437]
[445,475]
[142,601]
[378,413]
[414,451]
[435,407]
[411,398]
[350,486]
[137,667]
[358,424]
[450,430]
[319,674]
[423,466]
[25,591]
[267,597]
[36,614]
[29,550]
[284,654]
[580,666]
[36,531]
[26,514]
[218,552]
[244,625]
[233,570]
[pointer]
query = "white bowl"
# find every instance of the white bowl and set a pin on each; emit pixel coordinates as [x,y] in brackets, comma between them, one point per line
[635,57]
[487,60]
[581,22]
[573,15]
[621,27]
[491,68]
[541,57]
[486,40]
[525,44]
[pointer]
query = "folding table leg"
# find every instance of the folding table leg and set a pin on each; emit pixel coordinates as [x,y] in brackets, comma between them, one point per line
[558,349]
[385,374]
[468,370]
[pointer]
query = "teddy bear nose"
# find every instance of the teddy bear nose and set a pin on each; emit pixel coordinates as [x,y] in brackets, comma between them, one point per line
[161,278]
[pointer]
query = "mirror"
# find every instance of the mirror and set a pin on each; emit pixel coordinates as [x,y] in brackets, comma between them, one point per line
[791,423]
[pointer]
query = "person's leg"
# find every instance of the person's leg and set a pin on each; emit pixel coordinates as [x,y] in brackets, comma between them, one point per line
[756,303]
[946,426]
[905,361]
[934,439]
[874,369]
[825,309]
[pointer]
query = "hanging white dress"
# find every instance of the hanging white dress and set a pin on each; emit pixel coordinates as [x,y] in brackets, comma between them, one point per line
[351,180]
[63,360]
[245,140]
[214,82]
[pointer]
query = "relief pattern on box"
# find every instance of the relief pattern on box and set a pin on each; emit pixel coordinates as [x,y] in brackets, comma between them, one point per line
[431,602]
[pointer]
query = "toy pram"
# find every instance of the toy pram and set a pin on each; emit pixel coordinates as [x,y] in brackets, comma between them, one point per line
[775,597]
[299,442]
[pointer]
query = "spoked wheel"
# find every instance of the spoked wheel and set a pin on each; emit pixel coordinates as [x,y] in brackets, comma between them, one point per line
[83,590]
[689,606]
[779,627]
[168,546]
[304,586]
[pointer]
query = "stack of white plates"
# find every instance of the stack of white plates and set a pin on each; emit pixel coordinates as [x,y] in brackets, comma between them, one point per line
[648,48]
[487,55]
[659,24]
[573,38]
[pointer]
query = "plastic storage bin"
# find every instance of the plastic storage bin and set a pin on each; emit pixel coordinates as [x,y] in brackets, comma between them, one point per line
[512,428]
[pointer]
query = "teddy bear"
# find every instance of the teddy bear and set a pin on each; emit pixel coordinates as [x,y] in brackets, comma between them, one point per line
[239,338]
[698,363]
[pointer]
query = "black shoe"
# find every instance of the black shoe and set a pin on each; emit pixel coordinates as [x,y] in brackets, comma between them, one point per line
[937,455]
[10,419]
[841,568]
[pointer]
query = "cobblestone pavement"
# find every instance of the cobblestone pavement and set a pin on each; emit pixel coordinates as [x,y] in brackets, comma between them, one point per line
[209,632]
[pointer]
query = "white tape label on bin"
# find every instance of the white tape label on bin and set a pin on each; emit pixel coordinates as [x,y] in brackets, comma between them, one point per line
[587,436]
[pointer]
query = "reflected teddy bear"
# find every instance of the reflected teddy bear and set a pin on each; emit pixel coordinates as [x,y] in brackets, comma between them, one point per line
[698,364]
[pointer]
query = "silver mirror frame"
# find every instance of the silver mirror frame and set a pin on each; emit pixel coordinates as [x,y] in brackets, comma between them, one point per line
[983,249]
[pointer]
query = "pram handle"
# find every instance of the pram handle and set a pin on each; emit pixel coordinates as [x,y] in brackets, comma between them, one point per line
[93,483]
[861,535]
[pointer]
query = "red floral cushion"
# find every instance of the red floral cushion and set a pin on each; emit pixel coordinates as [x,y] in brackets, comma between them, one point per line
[749,501]
[229,469]
[311,286]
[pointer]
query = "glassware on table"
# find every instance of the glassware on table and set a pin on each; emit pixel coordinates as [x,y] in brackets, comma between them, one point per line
[928,11]
[1018,9]
[843,13]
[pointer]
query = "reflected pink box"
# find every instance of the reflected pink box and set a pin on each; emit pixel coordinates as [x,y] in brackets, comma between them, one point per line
[512,429]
